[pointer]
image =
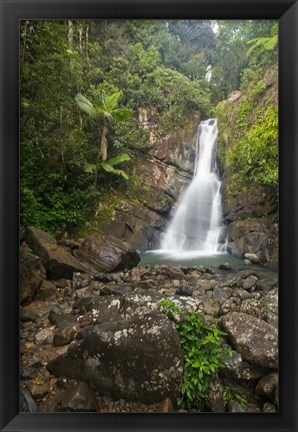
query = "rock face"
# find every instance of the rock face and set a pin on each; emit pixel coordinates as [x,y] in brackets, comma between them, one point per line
[234,366]
[78,398]
[32,273]
[46,291]
[134,354]
[254,339]
[163,175]
[27,403]
[215,400]
[252,239]
[58,262]
[107,253]
[104,253]
[268,387]
[252,202]
[36,237]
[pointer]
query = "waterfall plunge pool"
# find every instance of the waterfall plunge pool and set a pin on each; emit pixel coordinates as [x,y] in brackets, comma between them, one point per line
[192,258]
[196,234]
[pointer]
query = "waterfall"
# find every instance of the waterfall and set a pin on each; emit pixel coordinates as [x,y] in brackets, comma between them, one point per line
[197,223]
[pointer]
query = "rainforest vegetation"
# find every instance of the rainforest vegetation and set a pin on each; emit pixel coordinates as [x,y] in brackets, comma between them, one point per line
[84,85]
[113,138]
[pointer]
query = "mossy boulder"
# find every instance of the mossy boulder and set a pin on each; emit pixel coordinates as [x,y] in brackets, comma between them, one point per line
[134,354]
[253,338]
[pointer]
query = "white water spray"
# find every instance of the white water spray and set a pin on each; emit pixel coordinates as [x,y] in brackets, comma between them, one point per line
[197,223]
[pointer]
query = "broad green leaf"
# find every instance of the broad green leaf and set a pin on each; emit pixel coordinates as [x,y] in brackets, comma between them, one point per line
[85,105]
[89,168]
[119,159]
[111,102]
[107,115]
[108,168]
[100,98]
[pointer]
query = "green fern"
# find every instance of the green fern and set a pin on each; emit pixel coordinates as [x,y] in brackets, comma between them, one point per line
[265,44]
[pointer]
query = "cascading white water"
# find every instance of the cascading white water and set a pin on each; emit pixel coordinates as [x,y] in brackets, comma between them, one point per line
[197,223]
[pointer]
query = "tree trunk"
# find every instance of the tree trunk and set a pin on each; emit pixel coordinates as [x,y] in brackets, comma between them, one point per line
[24,40]
[70,35]
[102,151]
[104,143]
[87,40]
[80,30]
[70,42]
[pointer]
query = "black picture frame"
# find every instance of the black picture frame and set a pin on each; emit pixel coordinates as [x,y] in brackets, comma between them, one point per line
[286,11]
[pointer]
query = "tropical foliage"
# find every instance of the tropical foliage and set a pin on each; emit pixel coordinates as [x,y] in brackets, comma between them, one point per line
[84,84]
[249,125]
[203,354]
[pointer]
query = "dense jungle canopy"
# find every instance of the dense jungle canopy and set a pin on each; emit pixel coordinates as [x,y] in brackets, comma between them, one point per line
[84,85]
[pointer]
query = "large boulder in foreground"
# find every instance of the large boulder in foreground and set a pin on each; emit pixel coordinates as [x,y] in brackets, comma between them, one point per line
[32,273]
[107,253]
[57,261]
[253,338]
[131,353]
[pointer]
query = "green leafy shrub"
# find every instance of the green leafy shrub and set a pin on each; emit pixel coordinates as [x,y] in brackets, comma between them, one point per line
[256,154]
[30,207]
[131,134]
[248,132]
[56,200]
[203,354]
[264,45]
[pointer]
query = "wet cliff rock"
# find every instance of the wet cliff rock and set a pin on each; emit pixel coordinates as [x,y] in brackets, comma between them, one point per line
[32,273]
[58,262]
[163,173]
[107,253]
[98,252]
[254,239]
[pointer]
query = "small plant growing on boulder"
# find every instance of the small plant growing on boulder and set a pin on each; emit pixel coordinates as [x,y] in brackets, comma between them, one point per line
[203,354]
[231,394]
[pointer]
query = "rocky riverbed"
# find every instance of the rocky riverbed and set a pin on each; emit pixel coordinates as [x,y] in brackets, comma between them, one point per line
[96,341]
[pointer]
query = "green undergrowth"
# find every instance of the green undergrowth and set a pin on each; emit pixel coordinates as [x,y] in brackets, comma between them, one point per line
[103,214]
[248,132]
[203,354]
